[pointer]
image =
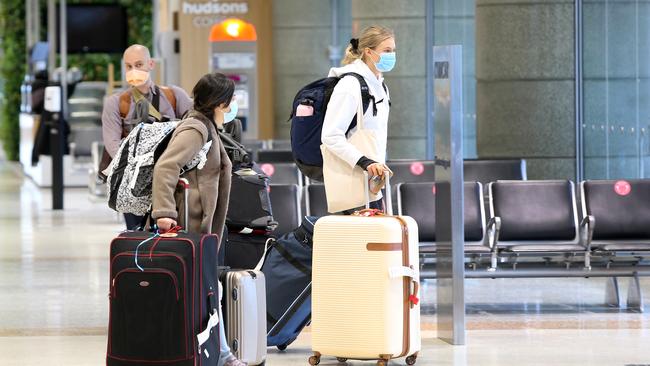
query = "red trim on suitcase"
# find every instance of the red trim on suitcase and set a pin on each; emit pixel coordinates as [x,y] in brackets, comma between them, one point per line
[193,282]
[129,254]
[149,270]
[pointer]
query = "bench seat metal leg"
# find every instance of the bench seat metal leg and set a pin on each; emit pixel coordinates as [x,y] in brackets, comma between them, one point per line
[634,296]
[612,293]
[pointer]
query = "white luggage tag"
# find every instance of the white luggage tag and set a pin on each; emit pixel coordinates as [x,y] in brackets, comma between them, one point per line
[402,271]
[414,275]
[205,334]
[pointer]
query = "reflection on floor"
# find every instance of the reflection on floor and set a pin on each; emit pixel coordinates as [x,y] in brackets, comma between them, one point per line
[54,280]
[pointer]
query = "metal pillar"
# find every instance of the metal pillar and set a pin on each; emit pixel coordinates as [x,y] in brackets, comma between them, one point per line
[28,24]
[51,36]
[334,48]
[429,37]
[63,27]
[579,104]
[450,236]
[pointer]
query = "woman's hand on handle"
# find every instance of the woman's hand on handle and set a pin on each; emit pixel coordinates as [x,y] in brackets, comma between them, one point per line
[377,169]
[165,223]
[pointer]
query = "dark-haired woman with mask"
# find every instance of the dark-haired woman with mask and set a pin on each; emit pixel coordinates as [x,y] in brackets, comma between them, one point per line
[209,185]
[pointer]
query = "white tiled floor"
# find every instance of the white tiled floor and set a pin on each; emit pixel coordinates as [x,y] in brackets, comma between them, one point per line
[53,299]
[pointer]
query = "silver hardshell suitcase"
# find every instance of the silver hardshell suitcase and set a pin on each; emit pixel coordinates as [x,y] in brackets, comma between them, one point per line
[244,307]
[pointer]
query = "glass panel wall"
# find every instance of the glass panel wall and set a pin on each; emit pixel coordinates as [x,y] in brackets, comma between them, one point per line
[616,84]
[454,23]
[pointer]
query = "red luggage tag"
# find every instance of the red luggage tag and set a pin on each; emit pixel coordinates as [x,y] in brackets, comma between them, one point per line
[414,299]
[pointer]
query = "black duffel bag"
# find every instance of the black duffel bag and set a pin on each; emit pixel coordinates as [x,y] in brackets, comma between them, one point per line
[287,271]
[243,251]
[250,203]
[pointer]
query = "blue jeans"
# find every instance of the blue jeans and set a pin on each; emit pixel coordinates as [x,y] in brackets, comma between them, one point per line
[133,222]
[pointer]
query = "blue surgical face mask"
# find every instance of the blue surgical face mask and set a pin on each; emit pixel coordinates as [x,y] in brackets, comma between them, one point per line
[386,61]
[229,116]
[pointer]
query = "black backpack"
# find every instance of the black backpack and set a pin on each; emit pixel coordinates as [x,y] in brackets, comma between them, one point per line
[306,130]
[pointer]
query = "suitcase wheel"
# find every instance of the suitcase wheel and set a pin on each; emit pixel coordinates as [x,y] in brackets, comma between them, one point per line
[314,360]
[282,347]
[341,359]
[410,360]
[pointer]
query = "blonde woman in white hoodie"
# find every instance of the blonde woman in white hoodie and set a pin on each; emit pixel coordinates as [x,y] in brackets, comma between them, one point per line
[370,55]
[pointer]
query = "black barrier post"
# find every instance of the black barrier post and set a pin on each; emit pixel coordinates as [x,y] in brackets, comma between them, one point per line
[53,117]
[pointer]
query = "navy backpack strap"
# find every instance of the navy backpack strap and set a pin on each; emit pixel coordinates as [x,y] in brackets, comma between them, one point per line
[366,97]
[386,90]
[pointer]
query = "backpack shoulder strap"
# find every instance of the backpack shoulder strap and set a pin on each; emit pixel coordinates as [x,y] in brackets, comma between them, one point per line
[386,90]
[366,97]
[171,97]
[125,103]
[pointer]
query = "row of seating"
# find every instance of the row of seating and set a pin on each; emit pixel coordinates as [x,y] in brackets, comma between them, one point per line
[541,218]
[524,218]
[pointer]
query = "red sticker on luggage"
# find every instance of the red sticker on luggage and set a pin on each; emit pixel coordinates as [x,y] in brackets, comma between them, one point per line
[417,168]
[268,169]
[622,188]
[433,189]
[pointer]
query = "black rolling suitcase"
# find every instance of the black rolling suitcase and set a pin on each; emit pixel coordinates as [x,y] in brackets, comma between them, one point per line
[287,269]
[163,299]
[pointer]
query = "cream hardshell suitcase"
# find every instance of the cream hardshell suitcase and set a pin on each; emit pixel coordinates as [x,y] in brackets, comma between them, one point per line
[244,306]
[365,284]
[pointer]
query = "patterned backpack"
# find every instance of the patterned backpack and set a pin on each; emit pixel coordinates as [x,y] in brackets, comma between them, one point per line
[130,177]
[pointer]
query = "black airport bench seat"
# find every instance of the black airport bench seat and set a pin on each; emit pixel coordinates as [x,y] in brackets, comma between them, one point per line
[617,214]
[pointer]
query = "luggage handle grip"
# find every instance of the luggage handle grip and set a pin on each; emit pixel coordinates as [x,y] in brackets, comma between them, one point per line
[184,183]
[388,198]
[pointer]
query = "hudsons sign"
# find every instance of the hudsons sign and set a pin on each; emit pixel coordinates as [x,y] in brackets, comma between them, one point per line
[214,8]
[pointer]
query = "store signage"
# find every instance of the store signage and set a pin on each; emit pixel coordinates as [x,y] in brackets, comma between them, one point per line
[214,7]
[208,13]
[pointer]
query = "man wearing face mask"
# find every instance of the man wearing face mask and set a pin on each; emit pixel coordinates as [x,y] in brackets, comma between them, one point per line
[123,110]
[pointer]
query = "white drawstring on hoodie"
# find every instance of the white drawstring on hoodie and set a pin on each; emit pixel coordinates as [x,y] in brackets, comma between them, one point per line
[343,106]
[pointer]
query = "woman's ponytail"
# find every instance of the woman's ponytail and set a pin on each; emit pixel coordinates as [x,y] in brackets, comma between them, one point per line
[351,52]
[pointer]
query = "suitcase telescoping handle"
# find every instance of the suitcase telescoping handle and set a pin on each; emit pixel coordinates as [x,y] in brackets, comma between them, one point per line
[388,194]
[185,185]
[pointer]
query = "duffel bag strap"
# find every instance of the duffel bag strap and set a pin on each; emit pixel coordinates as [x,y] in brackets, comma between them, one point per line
[266,249]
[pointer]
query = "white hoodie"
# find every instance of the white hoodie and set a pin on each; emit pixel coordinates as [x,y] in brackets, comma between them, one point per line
[343,106]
